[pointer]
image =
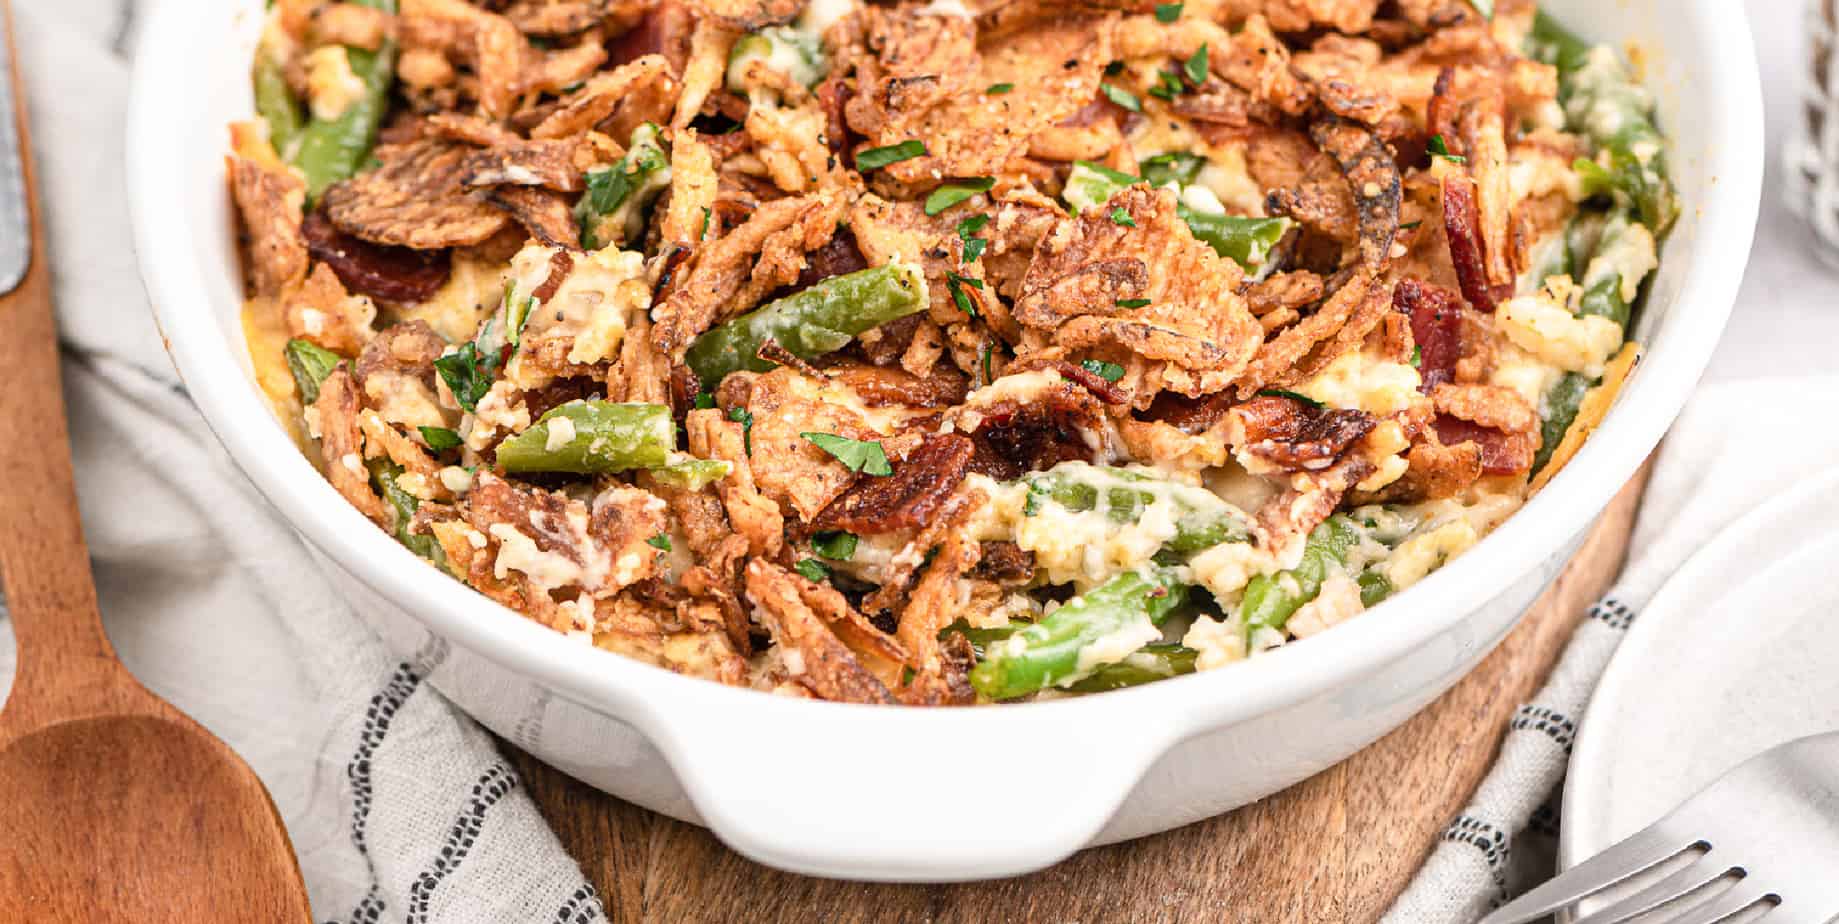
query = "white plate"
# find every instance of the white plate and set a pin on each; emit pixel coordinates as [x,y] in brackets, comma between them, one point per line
[1738,652]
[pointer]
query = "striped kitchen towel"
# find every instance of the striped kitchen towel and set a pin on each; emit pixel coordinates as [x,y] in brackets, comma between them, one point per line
[1724,457]
[400,807]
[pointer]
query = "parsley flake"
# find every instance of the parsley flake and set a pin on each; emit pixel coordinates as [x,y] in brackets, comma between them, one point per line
[953,193]
[812,570]
[1168,86]
[744,417]
[1132,302]
[468,374]
[998,89]
[876,158]
[1440,148]
[439,439]
[1168,12]
[864,456]
[1110,372]
[703,234]
[1410,225]
[967,230]
[1123,98]
[1121,217]
[1417,357]
[660,542]
[704,400]
[1196,67]
[959,297]
[836,546]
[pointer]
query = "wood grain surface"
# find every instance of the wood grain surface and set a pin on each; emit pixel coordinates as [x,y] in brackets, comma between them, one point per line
[114,807]
[1336,847]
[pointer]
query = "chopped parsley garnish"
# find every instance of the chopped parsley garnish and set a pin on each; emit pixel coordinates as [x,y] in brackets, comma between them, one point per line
[812,570]
[1168,12]
[468,374]
[864,456]
[703,234]
[1411,225]
[1123,98]
[310,363]
[1121,217]
[1293,396]
[1110,372]
[704,400]
[744,417]
[1196,66]
[1168,86]
[1132,302]
[660,542]
[967,230]
[836,546]
[1440,148]
[987,351]
[998,89]
[876,158]
[439,439]
[959,297]
[1417,357]
[953,193]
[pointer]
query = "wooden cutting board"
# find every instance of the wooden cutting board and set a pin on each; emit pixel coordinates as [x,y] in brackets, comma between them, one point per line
[1336,847]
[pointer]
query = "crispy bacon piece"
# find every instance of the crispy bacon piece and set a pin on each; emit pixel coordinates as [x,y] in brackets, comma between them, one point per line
[837,257]
[1436,326]
[1467,251]
[1016,436]
[1005,563]
[394,274]
[1502,453]
[1289,435]
[1189,415]
[907,499]
[1103,390]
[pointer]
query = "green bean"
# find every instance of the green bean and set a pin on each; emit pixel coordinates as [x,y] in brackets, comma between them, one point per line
[798,53]
[809,323]
[402,504]
[1061,647]
[1246,241]
[276,103]
[693,474]
[331,150]
[612,209]
[592,437]
[1271,599]
[1603,281]
[310,363]
[1374,587]
[1602,101]
[1147,665]
[1202,519]
[1559,410]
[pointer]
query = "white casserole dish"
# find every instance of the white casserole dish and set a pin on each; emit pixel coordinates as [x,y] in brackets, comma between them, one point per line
[876,793]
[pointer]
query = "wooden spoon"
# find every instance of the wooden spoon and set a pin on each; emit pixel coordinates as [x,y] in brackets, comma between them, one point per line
[113,805]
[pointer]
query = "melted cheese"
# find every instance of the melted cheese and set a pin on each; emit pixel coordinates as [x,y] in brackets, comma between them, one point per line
[1363,382]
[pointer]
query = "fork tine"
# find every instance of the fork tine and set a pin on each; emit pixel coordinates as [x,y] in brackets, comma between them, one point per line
[1793,912]
[1701,871]
[1739,896]
[1642,850]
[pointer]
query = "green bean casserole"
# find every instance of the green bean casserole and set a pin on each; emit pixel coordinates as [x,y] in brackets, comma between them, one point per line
[941,353]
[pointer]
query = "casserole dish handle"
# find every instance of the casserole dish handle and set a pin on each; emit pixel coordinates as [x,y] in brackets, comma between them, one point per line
[846,793]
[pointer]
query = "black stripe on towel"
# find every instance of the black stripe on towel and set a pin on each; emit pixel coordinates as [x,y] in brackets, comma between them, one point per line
[377,718]
[491,787]
[1487,838]
[581,908]
[1613,613]
[1552,723]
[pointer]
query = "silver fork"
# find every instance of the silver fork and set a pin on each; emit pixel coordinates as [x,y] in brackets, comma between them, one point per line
[1763,835]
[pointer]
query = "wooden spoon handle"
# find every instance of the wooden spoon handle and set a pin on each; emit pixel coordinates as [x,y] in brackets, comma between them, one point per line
[44,562]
